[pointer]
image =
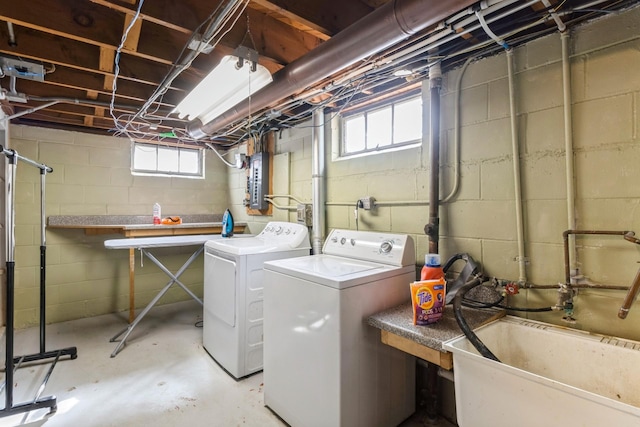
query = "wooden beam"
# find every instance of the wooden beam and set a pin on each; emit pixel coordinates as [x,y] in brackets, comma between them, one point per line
[51,49]
[145,16]
[331,15]
[440,358]
[93,82]
[80,21]
[107,59]
[75,113]
[290,18]
[133,36]
[185,16]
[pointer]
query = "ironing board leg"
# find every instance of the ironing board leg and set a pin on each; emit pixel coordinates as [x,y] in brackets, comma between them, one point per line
[174,279]
[132,287]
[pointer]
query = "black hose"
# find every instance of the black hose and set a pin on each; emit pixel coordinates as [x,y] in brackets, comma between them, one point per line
[468,302]
[530,310]
[464,326]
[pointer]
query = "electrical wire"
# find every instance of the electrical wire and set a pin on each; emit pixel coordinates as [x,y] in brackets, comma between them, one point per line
[114,86]
[342,93]
[217,33]
[225,161]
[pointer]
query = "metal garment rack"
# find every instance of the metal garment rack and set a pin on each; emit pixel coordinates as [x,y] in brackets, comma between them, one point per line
[11,362]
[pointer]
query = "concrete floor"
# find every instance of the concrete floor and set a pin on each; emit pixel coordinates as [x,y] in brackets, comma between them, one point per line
[162,377]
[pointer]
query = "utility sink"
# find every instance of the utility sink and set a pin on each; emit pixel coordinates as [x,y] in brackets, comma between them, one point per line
[549,375]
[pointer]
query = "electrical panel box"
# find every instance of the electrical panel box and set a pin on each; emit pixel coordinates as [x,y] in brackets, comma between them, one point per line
[259,181]
[304,214]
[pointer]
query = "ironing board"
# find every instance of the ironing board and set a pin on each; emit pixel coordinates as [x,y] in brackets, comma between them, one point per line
[144,244]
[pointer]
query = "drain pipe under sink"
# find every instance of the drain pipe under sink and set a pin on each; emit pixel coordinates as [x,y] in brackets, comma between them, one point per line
[432,228]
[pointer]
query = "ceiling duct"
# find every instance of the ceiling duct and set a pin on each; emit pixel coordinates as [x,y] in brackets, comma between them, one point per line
[381,29]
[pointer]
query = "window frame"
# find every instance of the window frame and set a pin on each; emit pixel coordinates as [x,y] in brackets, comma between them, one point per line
[199,174]
[366,112]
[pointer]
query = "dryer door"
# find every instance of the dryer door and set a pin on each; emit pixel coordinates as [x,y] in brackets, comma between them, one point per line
[220,288]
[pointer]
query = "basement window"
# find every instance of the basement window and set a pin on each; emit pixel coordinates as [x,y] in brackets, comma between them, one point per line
[390,127]
[159,160]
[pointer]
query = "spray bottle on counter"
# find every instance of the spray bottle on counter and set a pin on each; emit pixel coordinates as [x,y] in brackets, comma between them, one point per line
[157,213]
[227,224]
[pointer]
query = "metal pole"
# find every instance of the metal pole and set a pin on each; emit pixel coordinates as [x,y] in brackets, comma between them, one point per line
[10,363]
[13,153]
[43,262]
[433,228]
[10,250]
[29,111]
[318,181]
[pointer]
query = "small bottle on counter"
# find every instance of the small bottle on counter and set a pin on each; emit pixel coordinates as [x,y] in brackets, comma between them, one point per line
[157,213]
[432,269]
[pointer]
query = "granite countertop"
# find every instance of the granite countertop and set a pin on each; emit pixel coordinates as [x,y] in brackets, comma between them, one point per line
[129,221]
[399,321]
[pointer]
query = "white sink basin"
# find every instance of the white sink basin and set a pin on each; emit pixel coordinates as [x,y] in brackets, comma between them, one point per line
[549,375]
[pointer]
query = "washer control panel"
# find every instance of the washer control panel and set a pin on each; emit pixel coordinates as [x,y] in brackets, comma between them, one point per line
[392,249]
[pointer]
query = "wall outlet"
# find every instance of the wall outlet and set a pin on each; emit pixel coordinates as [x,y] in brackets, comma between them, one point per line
[368,203]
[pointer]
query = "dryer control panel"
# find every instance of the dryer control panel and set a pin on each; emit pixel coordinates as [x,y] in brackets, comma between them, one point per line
[386,248]
[293,234]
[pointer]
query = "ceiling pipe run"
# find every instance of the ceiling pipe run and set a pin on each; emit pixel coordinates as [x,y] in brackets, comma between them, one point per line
[381,29]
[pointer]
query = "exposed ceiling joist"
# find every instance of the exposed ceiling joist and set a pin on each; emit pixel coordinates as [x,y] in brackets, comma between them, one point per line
[76,42]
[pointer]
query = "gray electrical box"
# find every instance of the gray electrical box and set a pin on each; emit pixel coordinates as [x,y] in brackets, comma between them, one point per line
[304,214]
[21,68]
[259,181]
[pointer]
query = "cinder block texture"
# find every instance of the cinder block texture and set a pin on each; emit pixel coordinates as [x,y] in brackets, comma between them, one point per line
[92,176]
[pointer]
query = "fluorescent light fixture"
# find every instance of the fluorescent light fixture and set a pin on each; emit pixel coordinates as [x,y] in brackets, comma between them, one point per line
[225,86]
[402,72]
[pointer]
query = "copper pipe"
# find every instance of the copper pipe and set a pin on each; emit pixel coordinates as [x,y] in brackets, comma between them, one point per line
[631,295]
[579,286]
[628,235]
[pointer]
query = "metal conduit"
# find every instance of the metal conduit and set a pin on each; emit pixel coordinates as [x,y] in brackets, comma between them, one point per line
[318,177]
[377,31]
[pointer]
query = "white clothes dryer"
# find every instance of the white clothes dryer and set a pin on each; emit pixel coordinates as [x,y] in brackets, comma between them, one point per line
[233,293]
[323,365]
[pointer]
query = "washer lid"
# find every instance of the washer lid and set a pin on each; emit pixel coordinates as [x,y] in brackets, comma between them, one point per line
[334,271]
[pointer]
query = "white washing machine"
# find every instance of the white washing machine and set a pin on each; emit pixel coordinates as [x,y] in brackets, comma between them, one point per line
[233,293]
[323,365]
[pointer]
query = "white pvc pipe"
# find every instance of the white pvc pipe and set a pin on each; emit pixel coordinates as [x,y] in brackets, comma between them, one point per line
[516,171]
[568,148]
[12,34]
[456,134]
[555,16]
[490,33]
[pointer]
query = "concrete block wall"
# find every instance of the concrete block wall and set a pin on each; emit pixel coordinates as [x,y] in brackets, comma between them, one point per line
[92,176]
[480,220]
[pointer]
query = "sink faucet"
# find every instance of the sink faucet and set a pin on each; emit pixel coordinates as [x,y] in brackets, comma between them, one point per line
[631,295]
